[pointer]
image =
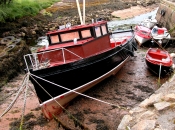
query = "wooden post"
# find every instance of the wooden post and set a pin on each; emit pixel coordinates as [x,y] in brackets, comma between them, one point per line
[83,11]
[79,12]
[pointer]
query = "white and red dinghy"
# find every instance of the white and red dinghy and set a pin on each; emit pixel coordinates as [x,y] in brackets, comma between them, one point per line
[142,34]
[158,61]
[149,23]
[161,35]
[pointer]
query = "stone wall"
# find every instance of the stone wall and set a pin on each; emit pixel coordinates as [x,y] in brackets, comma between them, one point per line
[166,16]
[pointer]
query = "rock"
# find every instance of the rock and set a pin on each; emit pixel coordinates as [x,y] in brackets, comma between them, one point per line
[51,29]
[124,123]
[33,32]
[23,34]
[137,110]
[162,105]
[147,114]
[170,97]
[151,100]
[144,125]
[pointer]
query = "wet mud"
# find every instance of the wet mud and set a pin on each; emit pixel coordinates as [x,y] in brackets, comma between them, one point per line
[121,92]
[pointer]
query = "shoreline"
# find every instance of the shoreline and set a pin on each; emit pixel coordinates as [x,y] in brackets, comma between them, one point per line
[133,11]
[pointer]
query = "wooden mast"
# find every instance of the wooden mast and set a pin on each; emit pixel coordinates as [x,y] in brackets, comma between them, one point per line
[79,12]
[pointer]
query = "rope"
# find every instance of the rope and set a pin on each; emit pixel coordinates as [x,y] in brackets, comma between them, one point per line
[46,91]
[58,104]
[74,92]
[158,43]
[159,74]
[25,97]
[1,100]
[16,97]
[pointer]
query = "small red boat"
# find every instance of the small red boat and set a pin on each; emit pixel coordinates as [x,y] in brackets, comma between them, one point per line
[142,34]
[158,61]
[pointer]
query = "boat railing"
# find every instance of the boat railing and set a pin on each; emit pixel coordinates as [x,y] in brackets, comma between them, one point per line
[45,59]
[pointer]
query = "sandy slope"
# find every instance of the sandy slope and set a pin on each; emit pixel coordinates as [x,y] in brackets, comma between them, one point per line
[133,11]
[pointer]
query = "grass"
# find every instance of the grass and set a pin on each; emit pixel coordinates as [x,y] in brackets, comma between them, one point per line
[21,8]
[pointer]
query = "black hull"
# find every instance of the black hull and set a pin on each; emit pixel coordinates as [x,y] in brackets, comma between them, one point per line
[75,74]
[156,68]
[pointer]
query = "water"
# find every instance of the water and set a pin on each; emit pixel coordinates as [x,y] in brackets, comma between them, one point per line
[113,25]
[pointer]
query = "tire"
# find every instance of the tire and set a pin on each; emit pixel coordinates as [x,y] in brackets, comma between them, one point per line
[2,54]
[15,42]
[7,40]
[9,48]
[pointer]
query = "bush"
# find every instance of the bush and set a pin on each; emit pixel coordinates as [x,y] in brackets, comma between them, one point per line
[20,8]
[4,2]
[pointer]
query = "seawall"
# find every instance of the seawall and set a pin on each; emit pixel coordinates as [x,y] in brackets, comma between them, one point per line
[166,15]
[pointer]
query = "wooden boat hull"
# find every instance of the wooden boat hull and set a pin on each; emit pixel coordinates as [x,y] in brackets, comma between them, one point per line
[77,76]
[51,107]
[142,34]
[160,35]
[158,61]
[140,40]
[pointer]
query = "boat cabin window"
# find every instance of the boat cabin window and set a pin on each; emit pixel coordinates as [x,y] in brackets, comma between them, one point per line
[54,39]
[69,36]
[86,33]
[104,30]
[98,31]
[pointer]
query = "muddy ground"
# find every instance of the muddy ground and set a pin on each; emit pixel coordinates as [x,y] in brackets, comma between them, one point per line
[131,85]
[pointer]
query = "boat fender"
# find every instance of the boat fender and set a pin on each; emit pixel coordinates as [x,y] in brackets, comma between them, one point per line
[131,50]
[134,44]
[162,12]
[75,40]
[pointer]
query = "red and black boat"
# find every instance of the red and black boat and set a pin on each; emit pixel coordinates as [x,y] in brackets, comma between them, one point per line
[158,61]
[76,59]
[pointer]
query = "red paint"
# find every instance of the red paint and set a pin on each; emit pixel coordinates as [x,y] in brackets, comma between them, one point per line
[77,27]
[157,56]
[61,97]
[112,44]
[143,32]
[160,31]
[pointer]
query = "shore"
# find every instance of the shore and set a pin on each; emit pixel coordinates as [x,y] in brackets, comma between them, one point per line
[133,11]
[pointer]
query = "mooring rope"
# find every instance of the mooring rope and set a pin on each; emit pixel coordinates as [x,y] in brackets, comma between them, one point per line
[13,92]
[25,98]
[59,105]
[46,91]
[159,73]
[16,97]
[76,92]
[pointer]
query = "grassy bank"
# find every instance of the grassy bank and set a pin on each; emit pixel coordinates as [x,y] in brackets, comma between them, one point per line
[20,8]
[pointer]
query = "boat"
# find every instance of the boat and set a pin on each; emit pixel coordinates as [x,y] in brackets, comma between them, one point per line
[158,61]
[149,23]
[142,34]
[76,59]
[160,35]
